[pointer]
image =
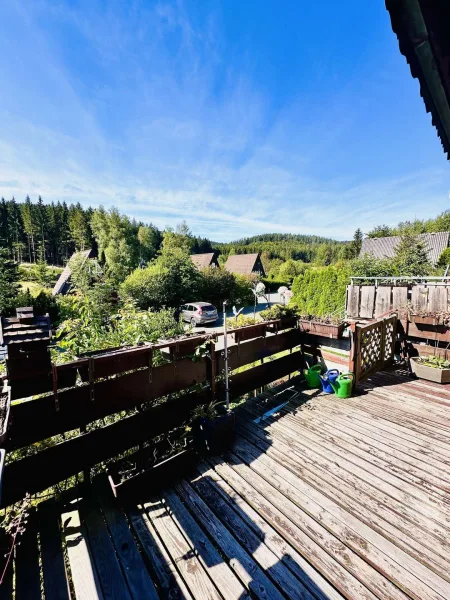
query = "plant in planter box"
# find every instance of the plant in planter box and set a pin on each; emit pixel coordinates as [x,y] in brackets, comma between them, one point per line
[213,428]
[285,315]
[331,326]
[431,318]
[431,368]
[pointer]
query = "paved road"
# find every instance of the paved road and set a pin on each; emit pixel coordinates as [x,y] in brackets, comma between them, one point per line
[248,311]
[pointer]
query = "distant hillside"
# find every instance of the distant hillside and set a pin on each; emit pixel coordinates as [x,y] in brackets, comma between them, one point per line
[284,246]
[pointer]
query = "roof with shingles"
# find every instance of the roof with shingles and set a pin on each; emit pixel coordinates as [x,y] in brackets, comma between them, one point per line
[243,264]
[63,284]
[385,247]
[14,331]
[202,261]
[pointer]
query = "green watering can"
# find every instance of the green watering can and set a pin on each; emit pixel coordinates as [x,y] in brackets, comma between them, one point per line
[312,376]
[342,386]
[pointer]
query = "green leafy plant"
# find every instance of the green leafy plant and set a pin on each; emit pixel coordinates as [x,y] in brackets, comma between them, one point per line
[206,411]
[277,311]
[436,362]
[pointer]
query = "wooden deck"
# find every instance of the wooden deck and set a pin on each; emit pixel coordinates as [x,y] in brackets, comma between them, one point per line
[325,499]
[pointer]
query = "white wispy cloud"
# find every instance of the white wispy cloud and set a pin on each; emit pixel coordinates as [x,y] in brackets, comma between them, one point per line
[164,125]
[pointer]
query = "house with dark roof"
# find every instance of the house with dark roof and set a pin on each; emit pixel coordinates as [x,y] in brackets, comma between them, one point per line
[385,247]
[202,261]
[245,264]
[62,286]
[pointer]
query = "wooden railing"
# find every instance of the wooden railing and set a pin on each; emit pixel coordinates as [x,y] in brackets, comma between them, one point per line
[125,380]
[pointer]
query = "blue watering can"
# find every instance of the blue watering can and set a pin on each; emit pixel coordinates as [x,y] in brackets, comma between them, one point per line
[328,380]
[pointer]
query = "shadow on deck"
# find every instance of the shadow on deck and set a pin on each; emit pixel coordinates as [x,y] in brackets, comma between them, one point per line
[321,498]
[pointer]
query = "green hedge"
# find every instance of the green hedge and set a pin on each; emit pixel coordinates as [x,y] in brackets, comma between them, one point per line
[321,292]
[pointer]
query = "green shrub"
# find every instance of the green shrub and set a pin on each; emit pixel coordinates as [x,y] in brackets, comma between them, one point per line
[168,282]
[128,326]
[241,321]
[321,292]
[42,304]
[277,311]
[444,259]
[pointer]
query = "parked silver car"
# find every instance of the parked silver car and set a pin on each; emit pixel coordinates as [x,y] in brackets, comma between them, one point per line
[198,313]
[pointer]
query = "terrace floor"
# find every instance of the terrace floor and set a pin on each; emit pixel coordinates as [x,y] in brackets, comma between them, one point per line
[325,498]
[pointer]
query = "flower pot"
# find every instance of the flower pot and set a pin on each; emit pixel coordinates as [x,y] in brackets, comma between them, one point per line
[429,373]
[214,436]
[329,330]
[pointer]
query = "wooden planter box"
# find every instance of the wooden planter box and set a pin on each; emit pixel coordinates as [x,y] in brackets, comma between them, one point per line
[285,323]
[148,481]
[183,347]
[325,329]
[5,408]
[249,333]
[429,373]
[424,320]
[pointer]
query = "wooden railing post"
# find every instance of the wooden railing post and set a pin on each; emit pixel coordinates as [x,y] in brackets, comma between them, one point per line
[352,359]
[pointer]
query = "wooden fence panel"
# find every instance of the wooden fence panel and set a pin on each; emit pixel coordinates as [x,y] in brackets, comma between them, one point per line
[39,419]
[256,377]
[383,302]
[353,301]
[367,302]
[419,298]
[46,468]
[399,298]
[248,352]
[437,298]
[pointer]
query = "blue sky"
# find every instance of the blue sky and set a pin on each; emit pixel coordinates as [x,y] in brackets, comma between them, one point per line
[242,117]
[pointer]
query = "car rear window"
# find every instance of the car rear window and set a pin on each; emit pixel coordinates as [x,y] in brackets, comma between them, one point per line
[208,307]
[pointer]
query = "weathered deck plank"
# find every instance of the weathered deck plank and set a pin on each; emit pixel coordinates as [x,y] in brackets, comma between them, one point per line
[181,552]
[28,580]
[56,586]
[136,575]
[107,566]
[396,565]
[82,569]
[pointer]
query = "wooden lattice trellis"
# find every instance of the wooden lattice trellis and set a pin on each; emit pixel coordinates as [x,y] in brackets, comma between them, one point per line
[375,344]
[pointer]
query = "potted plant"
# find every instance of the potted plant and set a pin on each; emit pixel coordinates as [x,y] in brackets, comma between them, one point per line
[431,368]
[213,428]
[331,327]
[284,317]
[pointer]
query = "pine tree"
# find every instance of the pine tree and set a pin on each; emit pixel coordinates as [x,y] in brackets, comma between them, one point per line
[357,242]
[29,223]
[411,257]
[41,224]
